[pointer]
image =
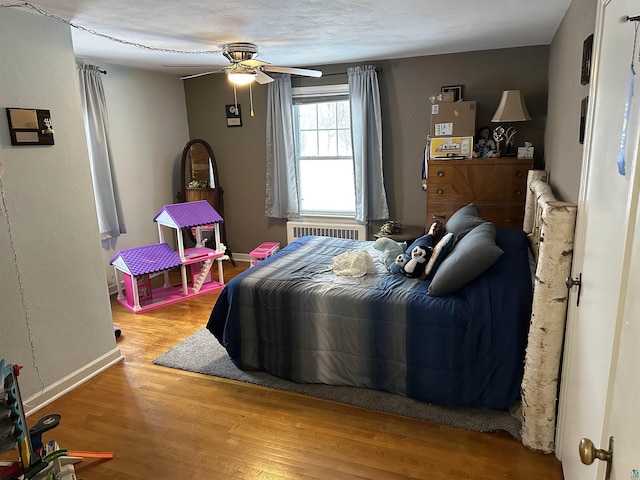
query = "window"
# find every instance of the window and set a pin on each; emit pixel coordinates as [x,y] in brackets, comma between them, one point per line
[322,124]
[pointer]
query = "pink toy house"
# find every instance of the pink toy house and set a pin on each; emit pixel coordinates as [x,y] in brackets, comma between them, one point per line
[136,264]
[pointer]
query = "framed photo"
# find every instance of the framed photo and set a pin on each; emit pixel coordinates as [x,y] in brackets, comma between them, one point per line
[455,89]
[30,126]
[587,49]
[234,115]
[583,117]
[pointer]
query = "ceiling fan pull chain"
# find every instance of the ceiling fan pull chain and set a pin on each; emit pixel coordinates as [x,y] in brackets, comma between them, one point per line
[235,97]
[251,99]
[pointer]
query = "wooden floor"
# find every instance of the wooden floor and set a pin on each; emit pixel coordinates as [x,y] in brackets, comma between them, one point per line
[163,423]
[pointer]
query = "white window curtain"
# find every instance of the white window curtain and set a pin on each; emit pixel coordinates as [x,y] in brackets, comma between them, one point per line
[96,124]
[366,129]
[282,171]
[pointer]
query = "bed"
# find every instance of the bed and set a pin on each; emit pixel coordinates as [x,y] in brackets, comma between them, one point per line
[292,316]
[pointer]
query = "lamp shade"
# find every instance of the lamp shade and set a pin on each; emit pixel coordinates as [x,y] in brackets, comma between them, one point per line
[241,77]
[511,108]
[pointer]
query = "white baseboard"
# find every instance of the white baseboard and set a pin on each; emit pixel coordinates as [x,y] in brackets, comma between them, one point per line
[71,381]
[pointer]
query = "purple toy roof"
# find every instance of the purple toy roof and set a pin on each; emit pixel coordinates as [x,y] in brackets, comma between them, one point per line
[147,259]
[190,214]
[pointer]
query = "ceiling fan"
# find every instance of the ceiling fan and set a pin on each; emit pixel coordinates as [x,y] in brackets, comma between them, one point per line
[245,68]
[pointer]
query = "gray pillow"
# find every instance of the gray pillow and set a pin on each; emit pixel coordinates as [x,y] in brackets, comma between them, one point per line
[470,257]
[463,221]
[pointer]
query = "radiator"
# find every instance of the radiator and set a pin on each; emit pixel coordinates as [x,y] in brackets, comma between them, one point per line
[331,228]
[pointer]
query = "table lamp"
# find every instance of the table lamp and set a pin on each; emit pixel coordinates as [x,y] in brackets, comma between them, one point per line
[511,109]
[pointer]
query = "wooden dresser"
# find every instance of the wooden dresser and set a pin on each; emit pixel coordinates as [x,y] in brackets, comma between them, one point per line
[496,185]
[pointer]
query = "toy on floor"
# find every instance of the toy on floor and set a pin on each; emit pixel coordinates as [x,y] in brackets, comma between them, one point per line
[137,264]
[38,461]
[262,251]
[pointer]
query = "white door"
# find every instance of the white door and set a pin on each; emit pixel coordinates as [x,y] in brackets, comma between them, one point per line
[602,246]
[624,420]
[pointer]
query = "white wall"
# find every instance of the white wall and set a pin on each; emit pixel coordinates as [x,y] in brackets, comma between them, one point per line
[563,152]
[148,130]
[55,314]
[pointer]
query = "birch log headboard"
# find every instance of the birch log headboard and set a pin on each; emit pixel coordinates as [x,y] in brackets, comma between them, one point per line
[550,224]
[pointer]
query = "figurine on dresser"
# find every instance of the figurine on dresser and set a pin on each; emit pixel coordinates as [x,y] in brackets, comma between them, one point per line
[485,146]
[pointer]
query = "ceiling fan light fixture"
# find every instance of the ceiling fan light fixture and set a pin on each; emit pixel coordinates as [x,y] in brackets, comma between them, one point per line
[241,78]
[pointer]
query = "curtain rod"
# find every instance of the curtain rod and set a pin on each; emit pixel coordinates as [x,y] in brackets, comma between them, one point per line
[101,70]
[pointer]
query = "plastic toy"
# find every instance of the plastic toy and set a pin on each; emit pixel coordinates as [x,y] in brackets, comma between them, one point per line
[263,251]
[137,264]
[38,461]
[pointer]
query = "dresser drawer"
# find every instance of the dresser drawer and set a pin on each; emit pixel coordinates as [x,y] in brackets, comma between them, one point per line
[502,216]
[496,183]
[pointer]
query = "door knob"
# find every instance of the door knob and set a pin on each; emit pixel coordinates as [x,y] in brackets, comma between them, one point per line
[588,453]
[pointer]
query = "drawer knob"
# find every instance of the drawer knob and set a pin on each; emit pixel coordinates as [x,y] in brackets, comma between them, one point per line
[440,173]
[518,173]
[439,191]
[518,192]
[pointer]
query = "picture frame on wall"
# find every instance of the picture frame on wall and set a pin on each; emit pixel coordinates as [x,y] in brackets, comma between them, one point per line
[584,105]
[234,115]
[587,50]
[455,89]
[30,126]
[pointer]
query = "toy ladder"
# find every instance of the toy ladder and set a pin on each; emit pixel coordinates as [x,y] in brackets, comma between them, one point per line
[199,280]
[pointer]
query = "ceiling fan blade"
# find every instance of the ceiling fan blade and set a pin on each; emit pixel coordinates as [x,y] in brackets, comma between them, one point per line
[199,74]
[190,65]
[262,77]
[294,71]
[253,63]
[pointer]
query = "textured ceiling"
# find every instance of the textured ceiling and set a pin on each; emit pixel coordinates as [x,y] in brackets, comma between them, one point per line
[298,33]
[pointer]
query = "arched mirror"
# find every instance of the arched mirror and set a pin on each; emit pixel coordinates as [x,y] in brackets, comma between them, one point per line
[199,180]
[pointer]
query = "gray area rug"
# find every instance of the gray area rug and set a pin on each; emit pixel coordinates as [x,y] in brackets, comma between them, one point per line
[201,353]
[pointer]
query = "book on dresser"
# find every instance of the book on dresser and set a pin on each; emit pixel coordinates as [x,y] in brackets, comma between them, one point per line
[496,185]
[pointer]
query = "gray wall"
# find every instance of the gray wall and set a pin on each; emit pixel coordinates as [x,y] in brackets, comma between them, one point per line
[55,311]
[148,130]
[405,86]
[563,150]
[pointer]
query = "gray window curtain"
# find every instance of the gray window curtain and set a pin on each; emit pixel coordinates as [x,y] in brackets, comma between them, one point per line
[282,171]
[366,129]
[96,124]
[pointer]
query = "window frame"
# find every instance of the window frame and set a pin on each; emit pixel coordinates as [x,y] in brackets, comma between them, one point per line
[314,95]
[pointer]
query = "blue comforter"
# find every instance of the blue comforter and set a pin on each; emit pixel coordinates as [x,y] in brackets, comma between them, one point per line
[291,316]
